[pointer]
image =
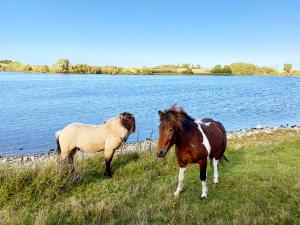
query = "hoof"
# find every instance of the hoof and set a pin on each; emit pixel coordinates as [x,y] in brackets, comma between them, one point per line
[203,196]
[215,180]
[108,174]
[176,194]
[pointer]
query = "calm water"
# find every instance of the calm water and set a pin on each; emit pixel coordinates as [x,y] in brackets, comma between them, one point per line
[34,106]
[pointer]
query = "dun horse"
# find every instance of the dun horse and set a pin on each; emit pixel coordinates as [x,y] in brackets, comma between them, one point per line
[106,137]
[195,141]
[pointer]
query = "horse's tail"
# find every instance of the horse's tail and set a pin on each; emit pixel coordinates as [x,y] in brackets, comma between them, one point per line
[58,149]
[225,158]
[224,133]
[222,159]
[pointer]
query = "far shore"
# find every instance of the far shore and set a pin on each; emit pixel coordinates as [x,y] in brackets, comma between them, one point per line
[158,74]
[64,66]
[145,145]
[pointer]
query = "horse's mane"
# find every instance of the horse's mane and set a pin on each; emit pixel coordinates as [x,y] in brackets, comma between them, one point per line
[128,121]
[178,117]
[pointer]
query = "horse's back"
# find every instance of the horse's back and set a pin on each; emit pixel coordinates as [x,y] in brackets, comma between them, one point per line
[86,137]
[216,135]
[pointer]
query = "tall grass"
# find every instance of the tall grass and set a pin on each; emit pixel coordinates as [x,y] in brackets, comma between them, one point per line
[260,185]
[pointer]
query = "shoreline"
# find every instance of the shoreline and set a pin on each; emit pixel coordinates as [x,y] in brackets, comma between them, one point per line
[158,74]
[147,144]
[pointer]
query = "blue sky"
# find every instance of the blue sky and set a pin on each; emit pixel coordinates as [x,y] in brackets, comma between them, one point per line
[137,33]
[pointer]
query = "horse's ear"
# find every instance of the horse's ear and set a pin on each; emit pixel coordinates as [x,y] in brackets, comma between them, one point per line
[161,115]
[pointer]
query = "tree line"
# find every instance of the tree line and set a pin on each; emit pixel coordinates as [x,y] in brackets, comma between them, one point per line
[64,66]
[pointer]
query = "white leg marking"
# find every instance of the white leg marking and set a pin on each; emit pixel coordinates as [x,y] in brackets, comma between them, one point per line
[204,189]
[216,175]
[180,182]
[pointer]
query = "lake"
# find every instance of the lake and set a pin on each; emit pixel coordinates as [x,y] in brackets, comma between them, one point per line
[34,106]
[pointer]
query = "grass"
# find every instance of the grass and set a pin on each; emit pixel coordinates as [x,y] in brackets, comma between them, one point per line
[260,185]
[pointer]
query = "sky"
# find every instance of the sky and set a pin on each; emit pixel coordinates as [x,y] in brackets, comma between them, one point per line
[153,32]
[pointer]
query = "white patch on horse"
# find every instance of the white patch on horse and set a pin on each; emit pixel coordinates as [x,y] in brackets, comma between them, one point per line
[201,121]
[205,139]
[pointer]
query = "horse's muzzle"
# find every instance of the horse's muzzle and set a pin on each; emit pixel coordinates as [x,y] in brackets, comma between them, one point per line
[161,154]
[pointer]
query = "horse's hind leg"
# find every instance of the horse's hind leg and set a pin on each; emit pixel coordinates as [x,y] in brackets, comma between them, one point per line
[108,156]
[61,160]
[203,165]
[63,156]
[66,156]
[71,155]
[216,175]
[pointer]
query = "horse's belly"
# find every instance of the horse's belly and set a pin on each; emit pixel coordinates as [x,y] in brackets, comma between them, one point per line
[91,146]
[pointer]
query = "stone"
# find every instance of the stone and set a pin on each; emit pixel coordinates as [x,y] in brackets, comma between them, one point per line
[258,126]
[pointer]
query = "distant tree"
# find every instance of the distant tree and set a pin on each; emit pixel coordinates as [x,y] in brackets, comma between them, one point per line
[3,67]
[287,67]
[216,69]
[5,61]
[265,70]
[188,71]
[80,68]
[41,69]
[95,70]
[24,68]
[242,68]
[62,66]
[185,65]
[145,70]
[227,69]
[13,66]
[110,70]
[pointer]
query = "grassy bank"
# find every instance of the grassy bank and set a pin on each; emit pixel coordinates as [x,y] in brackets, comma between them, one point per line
[260,185]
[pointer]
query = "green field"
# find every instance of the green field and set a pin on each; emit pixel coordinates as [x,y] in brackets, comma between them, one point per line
[260,185]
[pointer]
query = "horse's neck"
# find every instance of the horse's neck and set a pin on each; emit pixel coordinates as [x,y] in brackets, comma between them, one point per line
[116,128]
[186,137]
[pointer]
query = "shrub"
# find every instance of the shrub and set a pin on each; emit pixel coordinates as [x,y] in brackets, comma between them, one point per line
[242,68]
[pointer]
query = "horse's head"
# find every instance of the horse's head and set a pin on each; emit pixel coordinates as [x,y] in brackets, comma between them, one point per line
[128,121]
[170,125]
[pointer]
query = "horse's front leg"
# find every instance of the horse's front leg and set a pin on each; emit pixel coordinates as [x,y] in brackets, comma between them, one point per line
[203,165]
[180,181]
[108,156]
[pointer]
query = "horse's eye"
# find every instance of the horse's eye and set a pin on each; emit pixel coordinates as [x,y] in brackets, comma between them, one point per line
[171,130]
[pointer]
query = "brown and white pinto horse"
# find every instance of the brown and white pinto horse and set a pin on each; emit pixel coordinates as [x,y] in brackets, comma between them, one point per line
[195,141]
